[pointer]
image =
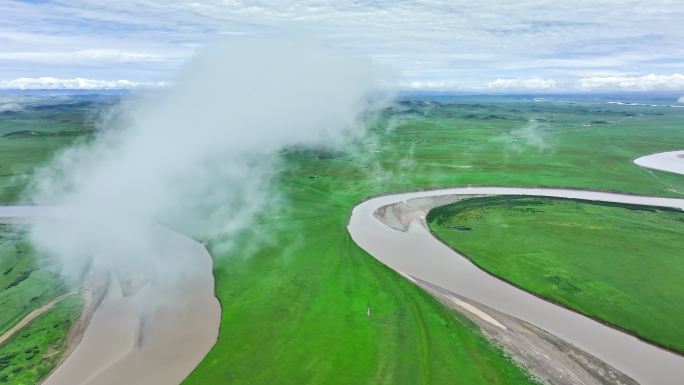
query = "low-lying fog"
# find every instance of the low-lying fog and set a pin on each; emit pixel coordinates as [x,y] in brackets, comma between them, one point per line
[198,156]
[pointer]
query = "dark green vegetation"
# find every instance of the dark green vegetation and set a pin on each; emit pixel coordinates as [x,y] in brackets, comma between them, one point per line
[622,264]
[29,136]
[35,350]
[296,289]
[27,283]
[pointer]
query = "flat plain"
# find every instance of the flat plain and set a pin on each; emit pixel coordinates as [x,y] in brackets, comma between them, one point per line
[304,305]
[621,264]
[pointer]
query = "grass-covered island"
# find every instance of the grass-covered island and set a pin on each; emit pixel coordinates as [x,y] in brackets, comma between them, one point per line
[621,264]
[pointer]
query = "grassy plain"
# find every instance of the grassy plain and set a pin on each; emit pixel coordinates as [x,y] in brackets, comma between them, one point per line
[29,136]
[296,290]
[34,351]
[622,264]
[26,283]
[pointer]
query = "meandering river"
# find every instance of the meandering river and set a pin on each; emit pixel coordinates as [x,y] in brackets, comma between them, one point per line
[415,252]
[155,336]
[125,343]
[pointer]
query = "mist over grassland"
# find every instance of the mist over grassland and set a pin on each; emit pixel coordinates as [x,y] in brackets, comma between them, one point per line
[200,155]
[318,285]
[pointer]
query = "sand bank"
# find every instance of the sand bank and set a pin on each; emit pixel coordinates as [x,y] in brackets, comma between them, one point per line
[392,229]
[671,161]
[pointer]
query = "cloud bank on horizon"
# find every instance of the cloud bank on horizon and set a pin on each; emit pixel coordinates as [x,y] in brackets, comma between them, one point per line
[50,83]
[497,46]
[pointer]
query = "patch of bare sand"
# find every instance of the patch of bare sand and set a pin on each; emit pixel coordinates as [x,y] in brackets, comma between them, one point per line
[544,355]
[671,161]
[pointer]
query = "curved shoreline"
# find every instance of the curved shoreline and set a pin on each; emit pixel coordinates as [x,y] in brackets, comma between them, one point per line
[440,265]
[156,333]
[551,300]
[670,161]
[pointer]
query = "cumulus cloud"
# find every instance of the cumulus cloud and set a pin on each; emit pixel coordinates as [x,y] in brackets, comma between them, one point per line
[649,82]
[534,83]
[425,85]
[601,81]
[430,85]
[51,83]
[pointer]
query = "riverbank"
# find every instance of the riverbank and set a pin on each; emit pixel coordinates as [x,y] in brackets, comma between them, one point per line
[154,333]
[415,252]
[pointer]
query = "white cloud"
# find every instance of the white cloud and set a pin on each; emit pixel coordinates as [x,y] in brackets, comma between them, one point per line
[83,55]
[429,85]
[606,82]
[649,82]
[437,40]
[74,84]
[534,83]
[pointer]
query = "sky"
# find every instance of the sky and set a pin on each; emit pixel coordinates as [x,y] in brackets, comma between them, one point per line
[495,45]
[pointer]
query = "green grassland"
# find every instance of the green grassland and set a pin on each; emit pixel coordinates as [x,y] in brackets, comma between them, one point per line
[26,283]
[28,138]
[622,264]
[31,136]
[295,289]
[34,351]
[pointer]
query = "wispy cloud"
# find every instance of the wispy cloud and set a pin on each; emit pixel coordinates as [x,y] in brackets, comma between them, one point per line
[454,43]
[639,83]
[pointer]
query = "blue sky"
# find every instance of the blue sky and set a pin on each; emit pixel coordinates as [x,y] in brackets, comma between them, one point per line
[431,44]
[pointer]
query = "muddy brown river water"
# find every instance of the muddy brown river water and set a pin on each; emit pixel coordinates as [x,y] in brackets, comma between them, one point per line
[392,229]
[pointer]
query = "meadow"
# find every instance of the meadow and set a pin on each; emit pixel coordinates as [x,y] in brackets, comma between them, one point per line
[27,282]
[299,268]
[35,350]
[621,264]
[28,138]
[302,304]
